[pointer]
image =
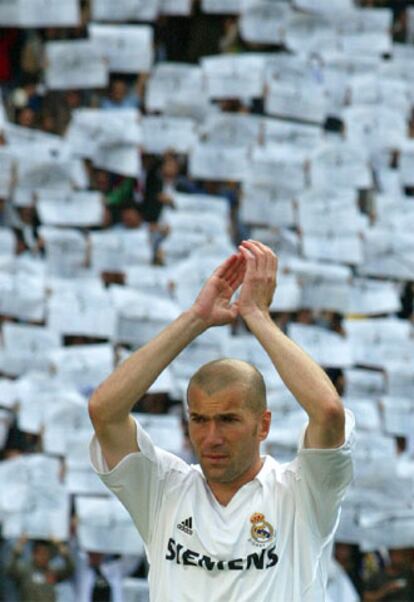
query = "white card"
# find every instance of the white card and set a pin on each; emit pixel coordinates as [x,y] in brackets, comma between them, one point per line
[66,417]
[296,101]
[124,10]
[364,383]
[322,7]
[65,250]
[127,48]
[374,127]
[232,129]
[48,13]
[8,393]
[372,297]
[105,526]
[400,379]
[84,365]
[176,8]
[305,136]
[326,347]
[115,250]
[165,133]
[340,165]
[201,203]
[264,22]
[26,347]
[83,313]
[262,204]
[7,242]
[172,80]
[32,498]
[75,64]
[233,76]
[6,171]
[75,208]
[333,246]
[308,32]
[9,13]
[22,296]
[280,165]
[123,159]
[221,6]
[213,162]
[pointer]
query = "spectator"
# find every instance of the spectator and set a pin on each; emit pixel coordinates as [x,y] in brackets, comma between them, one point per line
[37,577]
[99,576]
[119,96]
[395,583]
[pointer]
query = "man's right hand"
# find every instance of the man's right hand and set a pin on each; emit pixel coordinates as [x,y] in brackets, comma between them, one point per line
[259,282]
[213,304]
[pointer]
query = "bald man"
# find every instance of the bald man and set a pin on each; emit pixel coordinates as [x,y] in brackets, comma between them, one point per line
[237,526]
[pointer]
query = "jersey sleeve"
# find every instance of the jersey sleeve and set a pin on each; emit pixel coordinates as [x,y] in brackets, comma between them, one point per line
[141,479]
[322,478]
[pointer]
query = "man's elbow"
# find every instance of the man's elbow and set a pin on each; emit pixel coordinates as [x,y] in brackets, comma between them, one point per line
[333,416]
[96,410]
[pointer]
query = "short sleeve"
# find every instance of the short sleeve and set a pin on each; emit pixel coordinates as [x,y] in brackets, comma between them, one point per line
[322,478]
[140,480]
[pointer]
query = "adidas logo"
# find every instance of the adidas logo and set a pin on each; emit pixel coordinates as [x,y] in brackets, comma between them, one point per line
[186,525]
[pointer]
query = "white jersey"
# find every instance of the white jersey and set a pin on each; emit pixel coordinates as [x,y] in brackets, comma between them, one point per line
[271,543]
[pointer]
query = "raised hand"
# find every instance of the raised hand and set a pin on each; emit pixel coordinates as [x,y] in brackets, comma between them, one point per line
[259,281]
[213,304]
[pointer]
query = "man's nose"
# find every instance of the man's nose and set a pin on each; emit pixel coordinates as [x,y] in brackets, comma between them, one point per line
[213,434]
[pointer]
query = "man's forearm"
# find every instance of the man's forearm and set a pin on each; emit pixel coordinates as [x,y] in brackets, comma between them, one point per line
[301,374]
[115,397]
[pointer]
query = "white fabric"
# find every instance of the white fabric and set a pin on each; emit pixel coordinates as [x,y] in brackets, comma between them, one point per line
[216,554]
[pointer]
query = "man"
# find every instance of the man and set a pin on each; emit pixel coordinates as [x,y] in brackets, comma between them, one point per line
[37,578]
[239,526]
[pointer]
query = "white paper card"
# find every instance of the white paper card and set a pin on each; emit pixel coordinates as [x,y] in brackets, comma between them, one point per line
[229,76]
[339,165]
[39,13]
[124,10]
[127,48]
[22,296]
[105,526]
[262,204]
[83,313]
[114,251]
[176,7]
[212,162]
[264,22]
[168,81]
[296,101]
[65,250]
[232,129]
[75,208]
[165,133]
[221,6]
[333,246]
[33,500]
[26,347]
[84,365]
[75,64]
[326,347]
[280,165]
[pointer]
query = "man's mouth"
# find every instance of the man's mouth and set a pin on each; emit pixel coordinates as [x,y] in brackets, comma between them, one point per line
[215,457]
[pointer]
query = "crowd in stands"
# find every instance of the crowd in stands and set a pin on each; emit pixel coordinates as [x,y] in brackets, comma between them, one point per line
[287,122]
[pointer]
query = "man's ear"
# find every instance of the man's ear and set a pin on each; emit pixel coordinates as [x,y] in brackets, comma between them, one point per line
[264,426]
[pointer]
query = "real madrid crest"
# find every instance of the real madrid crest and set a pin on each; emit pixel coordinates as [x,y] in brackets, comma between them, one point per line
[262,532]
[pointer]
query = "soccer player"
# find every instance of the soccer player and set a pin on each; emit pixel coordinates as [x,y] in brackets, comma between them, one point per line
[238,526]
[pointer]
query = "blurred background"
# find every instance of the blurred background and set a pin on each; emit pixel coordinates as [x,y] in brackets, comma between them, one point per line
[140,142]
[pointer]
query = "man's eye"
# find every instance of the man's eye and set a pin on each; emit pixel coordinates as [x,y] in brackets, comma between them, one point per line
[229,419]
[198,419]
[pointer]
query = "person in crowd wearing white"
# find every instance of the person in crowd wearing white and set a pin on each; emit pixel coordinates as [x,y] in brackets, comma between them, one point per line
[238,526]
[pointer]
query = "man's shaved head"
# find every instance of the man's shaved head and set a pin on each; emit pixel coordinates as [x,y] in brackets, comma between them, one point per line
[226,372]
